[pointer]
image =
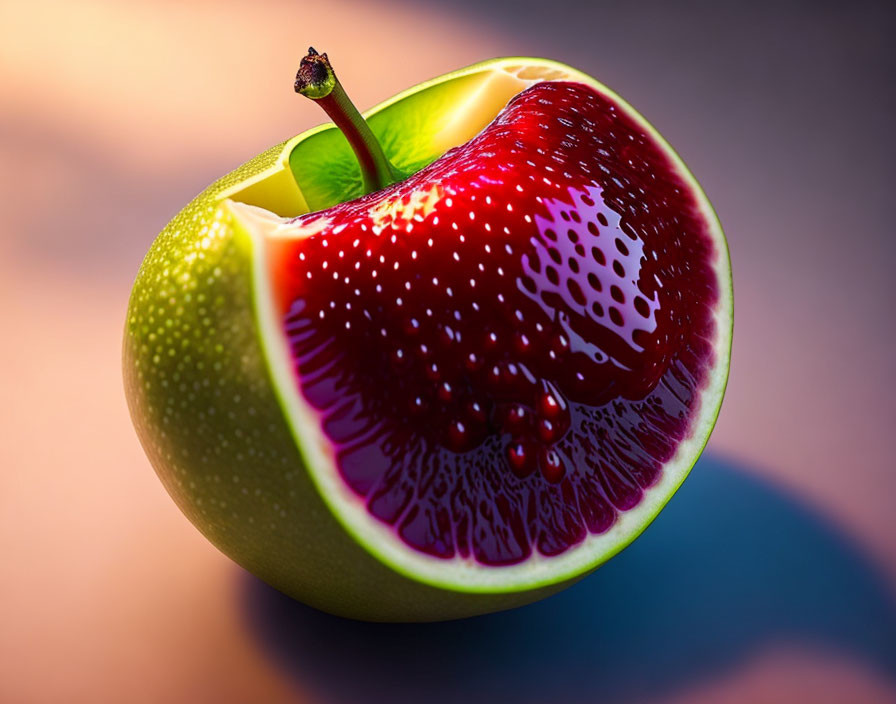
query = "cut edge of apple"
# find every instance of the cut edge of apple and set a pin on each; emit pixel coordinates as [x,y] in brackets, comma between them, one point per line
[265,221]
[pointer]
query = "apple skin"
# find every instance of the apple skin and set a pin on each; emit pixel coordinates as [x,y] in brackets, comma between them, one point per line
[201,397]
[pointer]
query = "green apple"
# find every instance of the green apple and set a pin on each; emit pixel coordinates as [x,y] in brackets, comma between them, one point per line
[217,402]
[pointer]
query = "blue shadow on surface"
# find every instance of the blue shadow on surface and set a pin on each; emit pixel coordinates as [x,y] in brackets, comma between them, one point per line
[730,565]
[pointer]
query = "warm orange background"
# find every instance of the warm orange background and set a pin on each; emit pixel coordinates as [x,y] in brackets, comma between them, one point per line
[770,578]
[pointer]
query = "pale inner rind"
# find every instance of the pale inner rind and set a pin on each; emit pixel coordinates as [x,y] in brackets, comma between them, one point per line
[381,540]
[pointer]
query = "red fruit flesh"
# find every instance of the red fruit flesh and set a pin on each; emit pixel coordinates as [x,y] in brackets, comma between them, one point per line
[505,348]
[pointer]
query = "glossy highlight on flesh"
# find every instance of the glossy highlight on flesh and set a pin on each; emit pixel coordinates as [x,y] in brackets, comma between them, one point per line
[505,348]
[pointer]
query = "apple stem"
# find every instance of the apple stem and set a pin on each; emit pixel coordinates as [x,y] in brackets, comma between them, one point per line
[316,80]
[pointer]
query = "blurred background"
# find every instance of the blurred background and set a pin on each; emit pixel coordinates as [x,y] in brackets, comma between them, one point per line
[771,577]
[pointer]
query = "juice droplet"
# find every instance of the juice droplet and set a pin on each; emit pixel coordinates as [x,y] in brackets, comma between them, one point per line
[521,457]
[458,436]
[551,466]
[445,392]
[518,418]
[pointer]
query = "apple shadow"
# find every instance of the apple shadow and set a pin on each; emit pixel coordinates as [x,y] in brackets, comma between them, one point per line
[731,565]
